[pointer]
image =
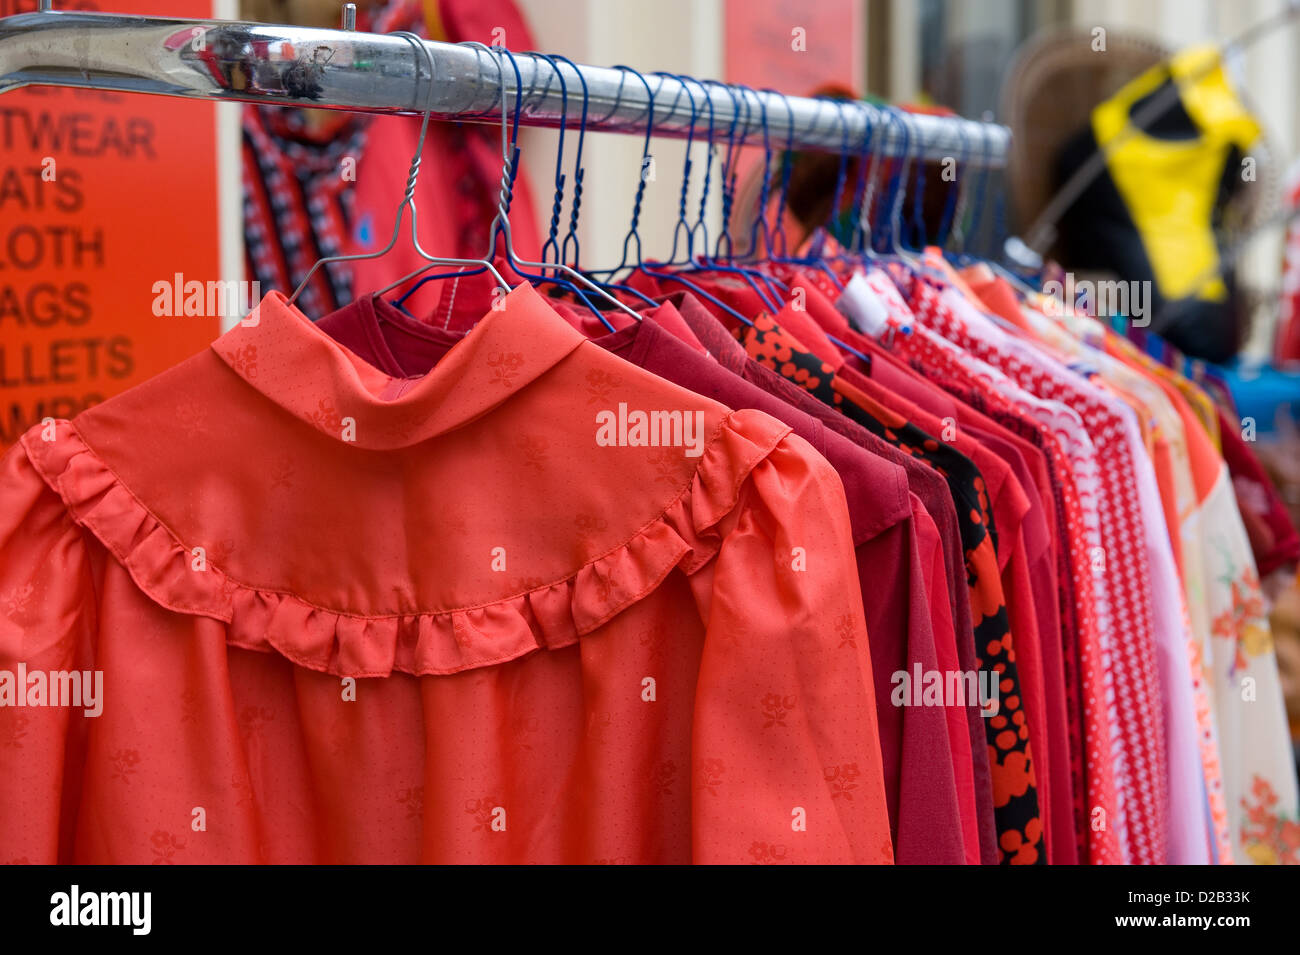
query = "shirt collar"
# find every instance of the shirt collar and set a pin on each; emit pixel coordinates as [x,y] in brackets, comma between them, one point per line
[710,332]
[282,354]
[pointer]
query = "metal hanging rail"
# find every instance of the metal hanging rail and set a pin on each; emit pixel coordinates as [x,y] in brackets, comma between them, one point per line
[340,69]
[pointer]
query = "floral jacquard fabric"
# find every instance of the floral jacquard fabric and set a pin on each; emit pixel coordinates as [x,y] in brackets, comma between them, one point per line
[314,618]
[1235,644]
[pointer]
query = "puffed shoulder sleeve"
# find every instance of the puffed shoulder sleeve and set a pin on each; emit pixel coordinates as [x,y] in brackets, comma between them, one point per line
[48,691]
[787,764]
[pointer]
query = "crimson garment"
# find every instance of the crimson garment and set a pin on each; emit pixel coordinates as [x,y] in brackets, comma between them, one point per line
[1027,564]
[321,632]
[1007,505]
[934,495]
[896,556]
[1015,792]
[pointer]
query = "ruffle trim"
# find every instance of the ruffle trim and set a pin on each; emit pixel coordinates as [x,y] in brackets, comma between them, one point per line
[426,643]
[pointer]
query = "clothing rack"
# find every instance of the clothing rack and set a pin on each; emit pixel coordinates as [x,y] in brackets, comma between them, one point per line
[342,69]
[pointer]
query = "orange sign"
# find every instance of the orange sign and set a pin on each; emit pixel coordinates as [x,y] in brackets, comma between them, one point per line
[795,46]
[106,201]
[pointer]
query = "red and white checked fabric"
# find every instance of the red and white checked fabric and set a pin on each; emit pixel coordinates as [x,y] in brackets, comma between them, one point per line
[1122,564]
[1057,425]
[1083,338]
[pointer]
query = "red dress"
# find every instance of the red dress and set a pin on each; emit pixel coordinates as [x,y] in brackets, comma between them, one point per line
[344,617]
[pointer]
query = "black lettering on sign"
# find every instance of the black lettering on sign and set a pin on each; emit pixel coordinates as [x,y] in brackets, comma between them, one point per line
[20,416]
[25,190]
[76,134]
[28,247]
[44,305]
[65,361]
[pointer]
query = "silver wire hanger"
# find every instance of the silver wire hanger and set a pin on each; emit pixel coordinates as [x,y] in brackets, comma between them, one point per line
[408,200]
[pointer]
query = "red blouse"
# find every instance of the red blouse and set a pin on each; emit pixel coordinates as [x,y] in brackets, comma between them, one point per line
[899,555]
[344,617]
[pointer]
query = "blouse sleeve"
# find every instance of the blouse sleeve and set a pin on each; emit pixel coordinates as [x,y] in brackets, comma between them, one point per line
[787,763]
[48,689]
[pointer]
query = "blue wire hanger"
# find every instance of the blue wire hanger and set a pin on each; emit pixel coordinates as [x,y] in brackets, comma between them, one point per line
[508,177]
[769,296]
[817,245]
[814,258]
[764,192]
[633,235]
[753,253]
[761,219]
[670,276]
[501,224]
[682,226]
[561,253]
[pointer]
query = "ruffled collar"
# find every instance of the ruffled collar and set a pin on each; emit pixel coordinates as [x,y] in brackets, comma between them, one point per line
[281,353]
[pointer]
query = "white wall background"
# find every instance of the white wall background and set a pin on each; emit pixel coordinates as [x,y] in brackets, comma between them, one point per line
[680,36]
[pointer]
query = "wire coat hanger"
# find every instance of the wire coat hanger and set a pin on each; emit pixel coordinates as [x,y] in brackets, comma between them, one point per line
[768,297]
[656,271]
[501,224]
[681,223]
[408,200]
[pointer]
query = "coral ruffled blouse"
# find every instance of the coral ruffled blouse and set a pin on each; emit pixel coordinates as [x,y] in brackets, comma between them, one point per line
[346,617]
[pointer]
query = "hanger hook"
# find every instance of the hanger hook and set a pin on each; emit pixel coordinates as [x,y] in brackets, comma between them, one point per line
[413,173]
[509,171]
[551,246]
[918,198]
[888,180]
[733,160]
[864,160]
[885,119]
[632,233]
[826,227]
[686,166]
[898,183]
[947,222]
[787,167]
[575,205]
[726,170]
[764,190]
[842,176]
[700,224]
[509,154]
